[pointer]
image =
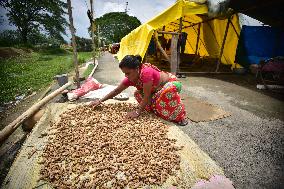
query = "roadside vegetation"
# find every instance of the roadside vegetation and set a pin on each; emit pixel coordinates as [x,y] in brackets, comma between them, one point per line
[30,72]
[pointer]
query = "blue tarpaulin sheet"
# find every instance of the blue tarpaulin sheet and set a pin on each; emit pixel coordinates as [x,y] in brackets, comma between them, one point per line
[258,43]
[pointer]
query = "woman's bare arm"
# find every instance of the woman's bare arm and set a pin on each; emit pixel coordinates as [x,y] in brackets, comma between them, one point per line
[115,92]
[147,96]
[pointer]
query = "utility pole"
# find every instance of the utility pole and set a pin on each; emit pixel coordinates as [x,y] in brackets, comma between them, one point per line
[75,54]
[93,30]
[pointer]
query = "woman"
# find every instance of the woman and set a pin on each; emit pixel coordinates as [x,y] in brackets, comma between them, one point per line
[157,91]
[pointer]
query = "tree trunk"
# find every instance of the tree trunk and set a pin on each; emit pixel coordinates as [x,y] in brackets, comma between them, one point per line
[92,31]
[72,29]
[24,35]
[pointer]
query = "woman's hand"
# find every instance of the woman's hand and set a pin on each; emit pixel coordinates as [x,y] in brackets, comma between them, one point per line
[133,114]
[95,103]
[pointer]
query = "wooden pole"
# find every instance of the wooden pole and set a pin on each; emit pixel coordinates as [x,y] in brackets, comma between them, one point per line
[160,47]
[92,30]
[234,29]
[223,45]
[75,54]
[198,37]
[178,47]
[98,36]
[9,129]
[164,27]
[174,54]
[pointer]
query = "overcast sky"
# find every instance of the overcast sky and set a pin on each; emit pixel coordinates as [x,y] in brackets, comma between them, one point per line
[142,9]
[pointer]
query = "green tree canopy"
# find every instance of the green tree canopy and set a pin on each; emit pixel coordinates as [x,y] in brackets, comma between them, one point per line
[34,16]
[115,25]
[83,44]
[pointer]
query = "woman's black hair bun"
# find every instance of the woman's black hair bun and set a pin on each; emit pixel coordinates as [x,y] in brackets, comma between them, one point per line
[138,57]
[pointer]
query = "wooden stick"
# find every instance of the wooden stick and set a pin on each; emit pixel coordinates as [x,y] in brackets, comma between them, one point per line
[8,130]
[160,47]
[223,45]
[75,54]
[197,41]
[235,29]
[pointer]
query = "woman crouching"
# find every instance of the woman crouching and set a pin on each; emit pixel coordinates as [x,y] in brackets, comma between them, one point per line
[157,91]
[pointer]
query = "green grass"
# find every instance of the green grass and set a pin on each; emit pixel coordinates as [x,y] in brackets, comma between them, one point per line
[88,71]
[23,74]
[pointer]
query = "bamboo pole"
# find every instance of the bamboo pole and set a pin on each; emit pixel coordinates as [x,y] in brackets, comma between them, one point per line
[75,54]
[178,45]
[99,41]
[92,30]
[9,129]
[223,45]
[174,54]
[197,41]
[235,29]
[160,47]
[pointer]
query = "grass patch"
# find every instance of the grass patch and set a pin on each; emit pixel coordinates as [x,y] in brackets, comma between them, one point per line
[23,74]
[88,71]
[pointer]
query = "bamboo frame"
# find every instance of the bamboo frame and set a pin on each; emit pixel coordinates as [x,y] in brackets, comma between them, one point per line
[229,22]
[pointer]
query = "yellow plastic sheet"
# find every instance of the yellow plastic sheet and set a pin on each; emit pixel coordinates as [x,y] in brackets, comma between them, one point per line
[211,32]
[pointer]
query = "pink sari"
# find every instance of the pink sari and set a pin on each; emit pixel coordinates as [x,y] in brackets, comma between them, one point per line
[165,100]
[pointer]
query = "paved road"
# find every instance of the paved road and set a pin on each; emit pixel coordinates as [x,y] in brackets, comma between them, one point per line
[248,145]
[108,72]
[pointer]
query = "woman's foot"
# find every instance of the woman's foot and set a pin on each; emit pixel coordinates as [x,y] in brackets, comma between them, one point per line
[183,122]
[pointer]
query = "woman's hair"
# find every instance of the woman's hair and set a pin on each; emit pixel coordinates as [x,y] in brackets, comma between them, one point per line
[131,62]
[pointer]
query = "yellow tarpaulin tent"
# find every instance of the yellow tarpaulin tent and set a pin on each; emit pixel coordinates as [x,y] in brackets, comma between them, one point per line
[212,32]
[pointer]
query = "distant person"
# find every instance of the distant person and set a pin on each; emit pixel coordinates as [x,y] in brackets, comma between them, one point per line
[157,91]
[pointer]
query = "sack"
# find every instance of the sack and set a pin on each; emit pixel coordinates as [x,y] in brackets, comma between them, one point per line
[90,85]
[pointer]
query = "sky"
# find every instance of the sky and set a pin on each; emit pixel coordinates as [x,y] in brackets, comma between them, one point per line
[142,9]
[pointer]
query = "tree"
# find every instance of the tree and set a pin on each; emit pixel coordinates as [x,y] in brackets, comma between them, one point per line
[9,38]
[115,25]
[83,44]
[33,16]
